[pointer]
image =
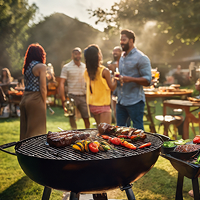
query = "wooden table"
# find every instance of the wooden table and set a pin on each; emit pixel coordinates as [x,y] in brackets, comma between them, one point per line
[15,99]
[185,105]
[184,93]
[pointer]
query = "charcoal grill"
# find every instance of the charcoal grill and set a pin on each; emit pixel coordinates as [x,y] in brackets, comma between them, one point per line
[67,170]
[187,169]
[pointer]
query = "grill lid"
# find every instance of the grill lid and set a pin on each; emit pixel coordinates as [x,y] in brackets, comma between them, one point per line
[38,147]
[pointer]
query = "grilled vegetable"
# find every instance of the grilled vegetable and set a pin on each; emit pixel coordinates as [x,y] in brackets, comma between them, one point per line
[97,143]
[182,141]
[86,145]
[124,143]
[93,147]
[196,139]
[106,137]
[131,146]
[168,144]
[106,147]
[145,145]
[198,160]
[115,141]
[77,147]
[81,145]
[128,145]
[101,148]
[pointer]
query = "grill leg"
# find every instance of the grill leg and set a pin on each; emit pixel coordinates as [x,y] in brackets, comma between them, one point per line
[46,193]
[129,192]
[179,187]
[73,196]
[195,185]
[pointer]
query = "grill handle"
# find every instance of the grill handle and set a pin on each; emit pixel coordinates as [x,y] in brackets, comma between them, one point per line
[4,146]
[163,137]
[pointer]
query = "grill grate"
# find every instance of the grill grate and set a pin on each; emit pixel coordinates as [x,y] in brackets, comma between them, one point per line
[38,147]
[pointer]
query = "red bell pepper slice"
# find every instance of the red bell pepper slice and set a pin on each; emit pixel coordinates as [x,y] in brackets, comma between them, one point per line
[106,137]
[115,141]
[93,147]
[145,145]
[196,139]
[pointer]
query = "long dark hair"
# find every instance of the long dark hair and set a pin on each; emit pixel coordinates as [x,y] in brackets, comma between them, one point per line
[34,52]
[92,61]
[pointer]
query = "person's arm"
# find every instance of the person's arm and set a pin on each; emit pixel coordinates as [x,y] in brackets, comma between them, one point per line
[62,91]
[112,84]
[144,67]
[40,70]
[139,80]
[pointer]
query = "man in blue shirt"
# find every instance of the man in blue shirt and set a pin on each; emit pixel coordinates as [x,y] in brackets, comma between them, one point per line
[135,72]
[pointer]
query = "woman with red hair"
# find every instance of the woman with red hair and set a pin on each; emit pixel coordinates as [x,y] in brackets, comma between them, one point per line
[33,103]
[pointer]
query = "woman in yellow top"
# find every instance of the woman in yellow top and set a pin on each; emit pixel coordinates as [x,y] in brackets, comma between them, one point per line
[99,85]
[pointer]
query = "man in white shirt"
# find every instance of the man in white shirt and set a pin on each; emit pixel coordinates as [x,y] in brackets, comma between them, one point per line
[73,72]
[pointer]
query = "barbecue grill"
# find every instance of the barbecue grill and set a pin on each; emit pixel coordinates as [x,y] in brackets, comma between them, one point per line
[68,170]
[187,169]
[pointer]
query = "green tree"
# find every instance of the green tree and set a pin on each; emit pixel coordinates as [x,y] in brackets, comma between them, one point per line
[178,19]
[14,18]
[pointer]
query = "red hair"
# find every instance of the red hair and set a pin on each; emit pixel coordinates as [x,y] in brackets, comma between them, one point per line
[34,52]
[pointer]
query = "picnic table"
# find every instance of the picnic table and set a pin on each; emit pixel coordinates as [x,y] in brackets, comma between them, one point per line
[189,116]
[150,94]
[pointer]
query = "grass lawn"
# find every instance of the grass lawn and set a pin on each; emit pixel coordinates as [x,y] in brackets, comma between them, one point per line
[158,184]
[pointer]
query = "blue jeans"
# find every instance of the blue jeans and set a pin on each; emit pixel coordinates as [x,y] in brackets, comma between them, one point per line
[135,112]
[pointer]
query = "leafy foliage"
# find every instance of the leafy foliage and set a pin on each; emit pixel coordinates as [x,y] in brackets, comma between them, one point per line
[14,19]
[179,20]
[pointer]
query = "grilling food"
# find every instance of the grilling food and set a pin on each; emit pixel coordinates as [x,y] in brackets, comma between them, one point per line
[187,148]
[118,141]
[88,146]
[141,135]
[65,138]
[107,129]
[128,145]
[93,147]
[196,139]
[78,147]
[145,145]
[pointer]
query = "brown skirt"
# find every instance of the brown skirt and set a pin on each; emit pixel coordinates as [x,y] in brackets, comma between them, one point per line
[32,115]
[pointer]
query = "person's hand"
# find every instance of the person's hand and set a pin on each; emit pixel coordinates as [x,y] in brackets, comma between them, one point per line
[121,79]
[64,108]
[116,76]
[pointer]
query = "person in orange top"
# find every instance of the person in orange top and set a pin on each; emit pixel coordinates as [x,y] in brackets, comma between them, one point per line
[99,85]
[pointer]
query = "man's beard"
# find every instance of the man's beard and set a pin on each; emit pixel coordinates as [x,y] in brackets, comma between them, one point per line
[116,57]
[125,47]
[77,59]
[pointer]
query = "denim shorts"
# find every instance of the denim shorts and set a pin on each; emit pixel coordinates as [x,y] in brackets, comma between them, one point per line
[135,112]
